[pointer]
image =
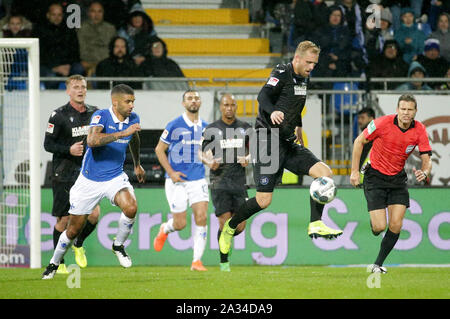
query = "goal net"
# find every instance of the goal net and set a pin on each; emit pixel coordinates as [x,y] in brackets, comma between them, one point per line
[19,153]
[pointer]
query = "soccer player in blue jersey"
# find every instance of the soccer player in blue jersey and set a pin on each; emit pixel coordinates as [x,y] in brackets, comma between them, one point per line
[111,132]
[177,151]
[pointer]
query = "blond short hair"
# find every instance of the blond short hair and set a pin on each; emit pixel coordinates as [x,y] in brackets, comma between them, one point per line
[75,77]
[305,46]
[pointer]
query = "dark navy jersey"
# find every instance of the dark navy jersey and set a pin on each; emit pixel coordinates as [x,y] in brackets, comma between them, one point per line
[227,142]
[65,127]
[284,91]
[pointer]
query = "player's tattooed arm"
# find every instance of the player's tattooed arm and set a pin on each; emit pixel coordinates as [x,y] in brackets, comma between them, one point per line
[96,138]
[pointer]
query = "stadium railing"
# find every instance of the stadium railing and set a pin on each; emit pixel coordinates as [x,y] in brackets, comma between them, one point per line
[340,105]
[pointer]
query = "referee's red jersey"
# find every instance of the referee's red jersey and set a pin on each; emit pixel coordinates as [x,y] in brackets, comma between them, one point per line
[392,145]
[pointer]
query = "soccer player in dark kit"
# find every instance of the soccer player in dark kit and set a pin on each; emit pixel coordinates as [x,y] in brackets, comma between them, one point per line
[225,151]
[65,137]
[278,128]
[394,138]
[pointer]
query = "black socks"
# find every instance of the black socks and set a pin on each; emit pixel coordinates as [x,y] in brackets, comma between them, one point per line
[316,210]
[87,230]
[388,242]
[244,212]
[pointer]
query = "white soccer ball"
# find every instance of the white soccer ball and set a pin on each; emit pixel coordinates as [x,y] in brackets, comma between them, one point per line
[323,190]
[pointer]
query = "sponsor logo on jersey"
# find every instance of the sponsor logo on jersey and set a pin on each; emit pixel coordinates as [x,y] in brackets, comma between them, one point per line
[96,119]
[122,141]
[273,81]
[112,127]
[50,128]
[80,131]
[232,143]
[371,127]
[409,149]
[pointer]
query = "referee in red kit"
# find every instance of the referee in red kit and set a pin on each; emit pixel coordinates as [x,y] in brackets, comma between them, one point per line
[394,139]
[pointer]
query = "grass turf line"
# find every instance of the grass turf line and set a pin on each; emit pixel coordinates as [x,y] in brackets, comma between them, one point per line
[244,282]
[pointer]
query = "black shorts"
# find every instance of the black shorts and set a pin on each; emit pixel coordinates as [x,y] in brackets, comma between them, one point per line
[225,200]
[61,202]
[381,190]
[293,157]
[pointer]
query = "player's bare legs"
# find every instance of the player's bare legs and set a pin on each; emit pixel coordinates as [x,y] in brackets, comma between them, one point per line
[127,203]
[200,216]
[378,221]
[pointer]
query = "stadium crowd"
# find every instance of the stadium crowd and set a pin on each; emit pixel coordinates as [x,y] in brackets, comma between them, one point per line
[409,33]
[117,38]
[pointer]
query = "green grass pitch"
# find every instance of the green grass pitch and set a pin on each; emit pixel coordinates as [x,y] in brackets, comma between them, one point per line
[244,282]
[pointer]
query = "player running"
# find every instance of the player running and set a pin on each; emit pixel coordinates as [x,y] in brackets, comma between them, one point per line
[394,138]
[279,122]
[185,176]
[111,132]
[225,151]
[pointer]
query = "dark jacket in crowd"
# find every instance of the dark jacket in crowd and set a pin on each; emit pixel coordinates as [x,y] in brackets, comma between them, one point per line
[112,67]
[138,39]
[336,40]
[160,67]
[117,11]
[382,67]
[58,45]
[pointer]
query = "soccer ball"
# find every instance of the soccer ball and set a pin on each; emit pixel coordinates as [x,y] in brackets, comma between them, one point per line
[323,190]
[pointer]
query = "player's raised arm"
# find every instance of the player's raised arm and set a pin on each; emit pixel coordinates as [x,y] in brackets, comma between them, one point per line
[96,138]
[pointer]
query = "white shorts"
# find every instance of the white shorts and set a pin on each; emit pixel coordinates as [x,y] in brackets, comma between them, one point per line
[178,194]
[85,194]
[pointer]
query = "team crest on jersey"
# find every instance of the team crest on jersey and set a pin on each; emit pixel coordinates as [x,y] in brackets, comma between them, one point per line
[96,119]
[273,81]
[50,128]
[371,127]
[264,180]
[409,149]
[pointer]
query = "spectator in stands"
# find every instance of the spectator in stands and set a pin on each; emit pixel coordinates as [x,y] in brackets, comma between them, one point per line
[335,42]
[157,64]
[446,86]
[437,7]
[389,64]
[304,21]
[59,50]
[416,70]
[118,64]
[397,6]
[435,65]
[32,10]
[138,32]
[16,27]
[410,39]
[94,37]
[443,35]
[376,37]
[117,11]
[352,16]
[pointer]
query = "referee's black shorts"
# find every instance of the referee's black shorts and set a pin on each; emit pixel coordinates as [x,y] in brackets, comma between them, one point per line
[293,157]
[226,200]
[382,190]
[61,202]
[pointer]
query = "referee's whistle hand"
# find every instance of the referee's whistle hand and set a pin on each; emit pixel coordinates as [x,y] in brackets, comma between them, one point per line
[354,178]
[277,117]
